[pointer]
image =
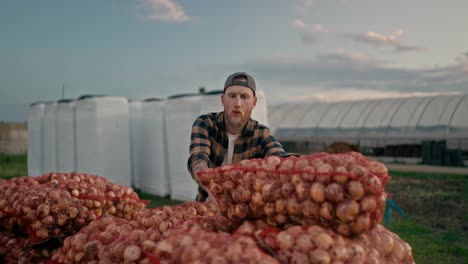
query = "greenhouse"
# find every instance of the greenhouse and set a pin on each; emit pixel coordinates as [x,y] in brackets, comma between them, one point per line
[413,127]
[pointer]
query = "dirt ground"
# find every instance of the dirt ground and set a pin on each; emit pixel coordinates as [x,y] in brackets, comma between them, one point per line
[427,168]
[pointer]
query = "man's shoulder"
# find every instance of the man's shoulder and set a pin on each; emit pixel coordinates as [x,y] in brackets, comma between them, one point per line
[209,116]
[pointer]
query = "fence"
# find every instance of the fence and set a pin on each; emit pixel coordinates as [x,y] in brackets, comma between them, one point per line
[13,138]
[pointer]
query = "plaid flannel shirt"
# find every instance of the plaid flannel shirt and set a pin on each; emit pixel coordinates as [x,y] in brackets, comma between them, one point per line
[209,144]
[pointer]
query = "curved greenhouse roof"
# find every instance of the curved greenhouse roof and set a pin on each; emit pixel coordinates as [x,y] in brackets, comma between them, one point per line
[429,117]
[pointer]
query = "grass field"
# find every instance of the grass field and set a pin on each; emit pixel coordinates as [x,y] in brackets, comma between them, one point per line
[437,205]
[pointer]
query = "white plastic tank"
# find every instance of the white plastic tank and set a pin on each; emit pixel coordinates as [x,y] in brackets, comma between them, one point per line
[136,141]
[65,135]
[49,150]
[35,138]
[154,161]
[102,137]
[181,112]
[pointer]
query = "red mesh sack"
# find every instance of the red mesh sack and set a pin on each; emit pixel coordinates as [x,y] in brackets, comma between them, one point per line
[14,249]
[163,218]
[97,193]
[196,245]
[316,244]
[42,212]
[344,192]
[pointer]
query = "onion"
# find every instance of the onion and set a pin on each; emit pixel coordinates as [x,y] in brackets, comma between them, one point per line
[324,173]
[317,192]
[281,206]
[301,191]
[287,189]
[334,192]
[319,256]
[132,253]
[368,203]
[293,207]
[273,161]
[309,209]
[271,191]
[326,210]
[355,190]
[341,175]
[304,242]
[358,172]
[284,240]
[298,258]
[347,210]
[374,185]
[323,241]
[344,230]
[361,224]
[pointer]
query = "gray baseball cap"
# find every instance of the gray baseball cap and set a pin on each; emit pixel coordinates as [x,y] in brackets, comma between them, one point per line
[250,83]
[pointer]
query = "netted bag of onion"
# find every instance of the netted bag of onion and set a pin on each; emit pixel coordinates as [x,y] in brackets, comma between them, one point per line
[196,245]
[163,218]
[42,212]
[109,239]
[97,193]
[344,192]
[14,249]
[316,244]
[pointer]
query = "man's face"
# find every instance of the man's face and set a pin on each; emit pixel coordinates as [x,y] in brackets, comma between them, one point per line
[238,102]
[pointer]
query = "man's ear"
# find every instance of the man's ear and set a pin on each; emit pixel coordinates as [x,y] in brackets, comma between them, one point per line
[255,101]
[222,99]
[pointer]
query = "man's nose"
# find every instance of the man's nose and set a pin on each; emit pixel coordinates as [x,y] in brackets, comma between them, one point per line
[237,101]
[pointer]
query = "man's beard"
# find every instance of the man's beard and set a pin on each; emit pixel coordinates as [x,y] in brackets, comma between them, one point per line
[238,122]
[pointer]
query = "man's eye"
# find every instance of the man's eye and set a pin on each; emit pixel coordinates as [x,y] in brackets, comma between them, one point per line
[244,97]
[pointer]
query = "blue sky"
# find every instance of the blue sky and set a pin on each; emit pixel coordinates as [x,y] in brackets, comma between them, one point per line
[296,50]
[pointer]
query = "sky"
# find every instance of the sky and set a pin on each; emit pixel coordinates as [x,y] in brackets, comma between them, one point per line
[297,50]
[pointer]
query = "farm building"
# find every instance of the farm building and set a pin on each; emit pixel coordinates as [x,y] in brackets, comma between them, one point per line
[427,129]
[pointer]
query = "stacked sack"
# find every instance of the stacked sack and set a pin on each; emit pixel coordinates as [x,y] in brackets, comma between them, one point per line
[38,213]
[316,209]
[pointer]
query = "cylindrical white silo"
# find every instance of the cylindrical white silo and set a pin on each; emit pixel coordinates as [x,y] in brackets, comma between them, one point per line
[49,150]
[65,135]
[181,112]
[35,138]
[102,137]
[136,141]
[154,156]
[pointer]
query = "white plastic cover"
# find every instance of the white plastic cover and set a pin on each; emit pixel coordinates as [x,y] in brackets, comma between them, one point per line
[154,177]
[180,114]
[65,136]
[35,138]
[102,138]
[49,152]
[136,142]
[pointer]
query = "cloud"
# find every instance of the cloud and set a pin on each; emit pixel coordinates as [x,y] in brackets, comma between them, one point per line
[381,40]
[165,10]
[342,71]
[310,34]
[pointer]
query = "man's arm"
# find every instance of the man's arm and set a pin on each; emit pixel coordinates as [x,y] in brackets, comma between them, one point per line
[200,148]
[271,146]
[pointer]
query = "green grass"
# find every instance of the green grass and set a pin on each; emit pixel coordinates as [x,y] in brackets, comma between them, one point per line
[13,166]
[437,205]
[156,201]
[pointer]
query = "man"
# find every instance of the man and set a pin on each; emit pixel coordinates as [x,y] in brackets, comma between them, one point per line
[230,136]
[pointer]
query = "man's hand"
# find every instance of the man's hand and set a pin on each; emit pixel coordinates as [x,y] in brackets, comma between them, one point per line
[199,167]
